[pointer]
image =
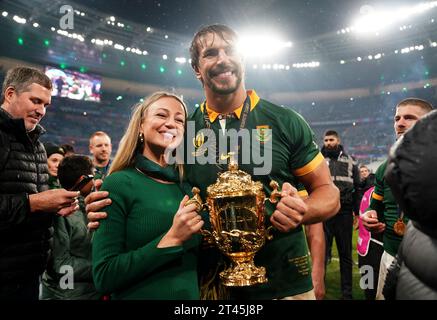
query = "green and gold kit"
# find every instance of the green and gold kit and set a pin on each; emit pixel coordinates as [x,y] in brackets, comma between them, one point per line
[284,141]
[385,205]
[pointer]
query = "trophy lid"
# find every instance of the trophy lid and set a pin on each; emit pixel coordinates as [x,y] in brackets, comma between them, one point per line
[234,183]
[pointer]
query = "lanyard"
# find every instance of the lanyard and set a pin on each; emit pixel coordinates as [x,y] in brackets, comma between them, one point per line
[246,110]
[244,114]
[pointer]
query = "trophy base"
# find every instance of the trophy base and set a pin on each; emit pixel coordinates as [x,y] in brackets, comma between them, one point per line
[243,274]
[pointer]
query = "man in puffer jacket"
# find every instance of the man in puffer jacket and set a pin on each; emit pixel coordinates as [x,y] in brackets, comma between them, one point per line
[26,206]
[412,177]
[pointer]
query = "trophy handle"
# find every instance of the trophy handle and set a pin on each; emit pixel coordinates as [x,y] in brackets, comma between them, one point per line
[197,201]
[276,193]
[269,233]
[274,196]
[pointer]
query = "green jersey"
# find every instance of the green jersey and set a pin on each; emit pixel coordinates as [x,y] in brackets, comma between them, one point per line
[385,205]
[101,172]
[288,139]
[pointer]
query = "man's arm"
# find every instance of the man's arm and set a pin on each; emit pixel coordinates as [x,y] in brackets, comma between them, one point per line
[316,243]
[324,197]
[323,201]
[15,208]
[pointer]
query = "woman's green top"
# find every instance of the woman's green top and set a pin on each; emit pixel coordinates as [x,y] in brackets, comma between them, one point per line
[126,261]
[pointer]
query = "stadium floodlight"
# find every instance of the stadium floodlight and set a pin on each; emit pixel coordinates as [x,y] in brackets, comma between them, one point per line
[181,60]
[312,64]
[19,19]
[118,46]
[35,24]
[261,45]
[373,21]
[164,57]
[5,14]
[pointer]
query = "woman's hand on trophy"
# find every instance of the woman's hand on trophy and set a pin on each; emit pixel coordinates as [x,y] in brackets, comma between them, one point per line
[289,210]
[186,222]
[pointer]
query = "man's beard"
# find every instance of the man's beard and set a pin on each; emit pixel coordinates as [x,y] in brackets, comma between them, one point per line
[210,84]
[101,159]
[332,152]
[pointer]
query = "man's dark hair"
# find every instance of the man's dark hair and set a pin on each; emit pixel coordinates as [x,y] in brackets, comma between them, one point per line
[72,168]
[67,148]
[20,78]
[216,29]
[331,133]
[423,104]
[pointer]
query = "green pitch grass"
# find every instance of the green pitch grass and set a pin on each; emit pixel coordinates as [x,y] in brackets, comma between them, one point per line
[332,280]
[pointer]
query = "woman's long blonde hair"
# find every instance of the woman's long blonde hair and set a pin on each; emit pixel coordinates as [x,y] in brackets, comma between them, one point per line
[130,143]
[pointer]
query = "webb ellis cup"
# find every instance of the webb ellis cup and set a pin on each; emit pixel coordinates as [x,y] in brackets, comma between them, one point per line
[236,211]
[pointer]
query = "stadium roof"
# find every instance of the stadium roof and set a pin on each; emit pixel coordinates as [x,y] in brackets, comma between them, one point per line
[156,28]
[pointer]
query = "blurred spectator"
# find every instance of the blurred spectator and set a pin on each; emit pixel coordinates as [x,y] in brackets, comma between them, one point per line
[68,149]
[384,214]
[412,176]
[27,206]
[100,148]
[344,172]
[55,154]
[71,239]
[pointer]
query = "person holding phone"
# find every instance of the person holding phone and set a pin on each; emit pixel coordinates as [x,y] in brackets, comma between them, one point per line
[68,275]
[147,247]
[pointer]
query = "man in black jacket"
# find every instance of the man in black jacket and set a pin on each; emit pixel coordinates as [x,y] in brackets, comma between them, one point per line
[346,177]
[26,204]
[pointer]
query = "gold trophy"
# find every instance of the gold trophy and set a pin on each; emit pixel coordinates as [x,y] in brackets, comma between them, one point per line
[236,211]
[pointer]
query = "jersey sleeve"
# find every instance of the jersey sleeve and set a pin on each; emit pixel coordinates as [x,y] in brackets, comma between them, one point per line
[305,153]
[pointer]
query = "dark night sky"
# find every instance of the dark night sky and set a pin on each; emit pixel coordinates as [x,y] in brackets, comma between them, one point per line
[295,19]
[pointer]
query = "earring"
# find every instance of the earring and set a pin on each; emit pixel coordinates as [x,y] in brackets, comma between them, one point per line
[141,138]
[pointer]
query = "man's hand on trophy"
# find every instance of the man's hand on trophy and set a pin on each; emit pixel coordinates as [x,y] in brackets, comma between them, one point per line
[96,201]
[186,222]
[289,210]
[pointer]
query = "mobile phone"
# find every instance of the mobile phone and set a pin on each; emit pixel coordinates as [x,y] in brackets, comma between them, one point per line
[82,183]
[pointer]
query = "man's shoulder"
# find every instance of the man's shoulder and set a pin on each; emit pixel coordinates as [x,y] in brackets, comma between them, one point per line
[349,157]
[195,114]
[381,168]
[379,173]
[4,149]
[125,174]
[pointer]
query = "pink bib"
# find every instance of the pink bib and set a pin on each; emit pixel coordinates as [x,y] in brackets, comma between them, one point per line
[364,235]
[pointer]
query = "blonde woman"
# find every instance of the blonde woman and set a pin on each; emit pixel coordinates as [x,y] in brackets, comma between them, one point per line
[147,247]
